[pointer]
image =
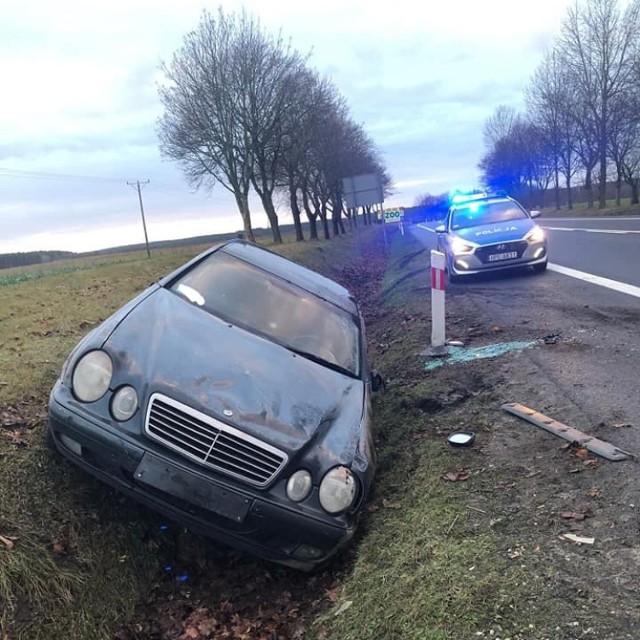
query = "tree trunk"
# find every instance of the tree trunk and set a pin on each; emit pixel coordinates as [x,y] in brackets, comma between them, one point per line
[242,200]
[272,216]
[618,189]
[588,186]
[325,222]
[295,211]
[602,189]
[557,186]
[569,194]
[634,192]
[312,217]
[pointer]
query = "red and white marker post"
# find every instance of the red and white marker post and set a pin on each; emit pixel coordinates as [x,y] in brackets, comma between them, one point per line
[438,280]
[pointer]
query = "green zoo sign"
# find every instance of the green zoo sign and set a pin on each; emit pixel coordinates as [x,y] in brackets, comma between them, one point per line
[393,215]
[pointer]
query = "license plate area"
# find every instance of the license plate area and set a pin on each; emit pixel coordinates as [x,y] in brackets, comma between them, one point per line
[192,488]
[497,257]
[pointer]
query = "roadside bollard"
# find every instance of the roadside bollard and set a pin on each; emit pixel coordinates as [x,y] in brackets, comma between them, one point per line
[438,279]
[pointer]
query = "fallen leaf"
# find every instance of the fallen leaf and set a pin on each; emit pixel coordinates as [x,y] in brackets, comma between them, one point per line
[372,508]
[455,476]
[387,504]
[590,463]
[496,329]
[581,453]
[64,546]
[8,541]
[577,539]
[621,425]
[575,515]
[594,492]
[333,594]
[343,607]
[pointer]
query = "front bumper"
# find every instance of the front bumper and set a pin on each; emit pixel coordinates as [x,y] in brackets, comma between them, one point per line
[478,261]
[242,518]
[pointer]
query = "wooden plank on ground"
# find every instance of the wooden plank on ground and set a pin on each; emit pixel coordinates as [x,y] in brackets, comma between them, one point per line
[599,447]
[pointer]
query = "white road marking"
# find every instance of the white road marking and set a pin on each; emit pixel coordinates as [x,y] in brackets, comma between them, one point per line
[621,287]
[618,231]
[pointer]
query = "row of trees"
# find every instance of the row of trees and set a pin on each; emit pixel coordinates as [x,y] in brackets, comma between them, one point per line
[582,119]
[243,109]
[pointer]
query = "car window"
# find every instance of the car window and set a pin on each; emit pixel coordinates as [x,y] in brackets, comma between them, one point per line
[242,294]
[479,213]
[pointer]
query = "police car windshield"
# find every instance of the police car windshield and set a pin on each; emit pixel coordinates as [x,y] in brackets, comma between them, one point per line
[475,214]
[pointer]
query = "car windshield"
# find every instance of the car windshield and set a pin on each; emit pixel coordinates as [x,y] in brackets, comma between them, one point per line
[475,214]
[247,296]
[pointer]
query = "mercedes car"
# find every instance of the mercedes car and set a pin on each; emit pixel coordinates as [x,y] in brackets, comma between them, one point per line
[233,396]
[490,232]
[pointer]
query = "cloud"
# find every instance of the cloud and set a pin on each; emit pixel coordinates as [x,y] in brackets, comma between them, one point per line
[80,99]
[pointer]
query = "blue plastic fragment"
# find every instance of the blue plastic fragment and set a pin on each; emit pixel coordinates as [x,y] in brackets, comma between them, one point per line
[164,527]
[167,569]
[182,578]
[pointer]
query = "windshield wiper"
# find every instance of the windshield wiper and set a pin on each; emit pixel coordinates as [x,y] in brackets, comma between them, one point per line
[322,361]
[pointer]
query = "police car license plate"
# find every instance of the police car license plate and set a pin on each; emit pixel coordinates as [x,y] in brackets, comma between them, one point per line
[503,256]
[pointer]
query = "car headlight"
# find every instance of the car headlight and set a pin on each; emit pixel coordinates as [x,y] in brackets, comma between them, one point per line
[458,245]
[535,235]
[92,376]
[299,485]
[338,490]
[124,403]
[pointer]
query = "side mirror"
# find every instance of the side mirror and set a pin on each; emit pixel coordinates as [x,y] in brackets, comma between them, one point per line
[377,381]
[535,214]
[441,228]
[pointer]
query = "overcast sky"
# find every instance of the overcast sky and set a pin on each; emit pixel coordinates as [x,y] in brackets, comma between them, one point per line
[79,103]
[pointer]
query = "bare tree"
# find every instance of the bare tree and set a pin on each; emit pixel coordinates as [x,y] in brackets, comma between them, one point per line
[499,126]
[547,109]
[267,80]
[201,126]
[600,46]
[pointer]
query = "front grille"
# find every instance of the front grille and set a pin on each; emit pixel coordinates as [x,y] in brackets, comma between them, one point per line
[212,443]
[483,253]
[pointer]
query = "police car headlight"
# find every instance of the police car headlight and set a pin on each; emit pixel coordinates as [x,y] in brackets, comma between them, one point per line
[459,246]
[535,235]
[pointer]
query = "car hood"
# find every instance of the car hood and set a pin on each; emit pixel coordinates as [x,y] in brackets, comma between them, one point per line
[497,232]
[170,346]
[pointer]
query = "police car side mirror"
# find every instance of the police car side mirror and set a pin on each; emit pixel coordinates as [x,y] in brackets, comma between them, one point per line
[441,228]
[535,214]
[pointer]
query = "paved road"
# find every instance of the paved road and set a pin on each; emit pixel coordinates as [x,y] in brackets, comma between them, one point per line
[605,247]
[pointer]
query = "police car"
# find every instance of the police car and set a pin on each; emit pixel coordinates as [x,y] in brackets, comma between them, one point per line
[490,232]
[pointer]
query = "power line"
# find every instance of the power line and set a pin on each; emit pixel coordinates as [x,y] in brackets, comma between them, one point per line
[44,175]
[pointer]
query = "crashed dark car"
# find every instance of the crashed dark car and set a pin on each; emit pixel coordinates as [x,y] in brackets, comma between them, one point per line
[233,396]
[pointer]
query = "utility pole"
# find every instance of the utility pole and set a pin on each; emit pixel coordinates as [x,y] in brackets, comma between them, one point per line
[138,185]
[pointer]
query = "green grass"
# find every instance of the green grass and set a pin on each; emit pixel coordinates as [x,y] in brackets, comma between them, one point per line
[582,209]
